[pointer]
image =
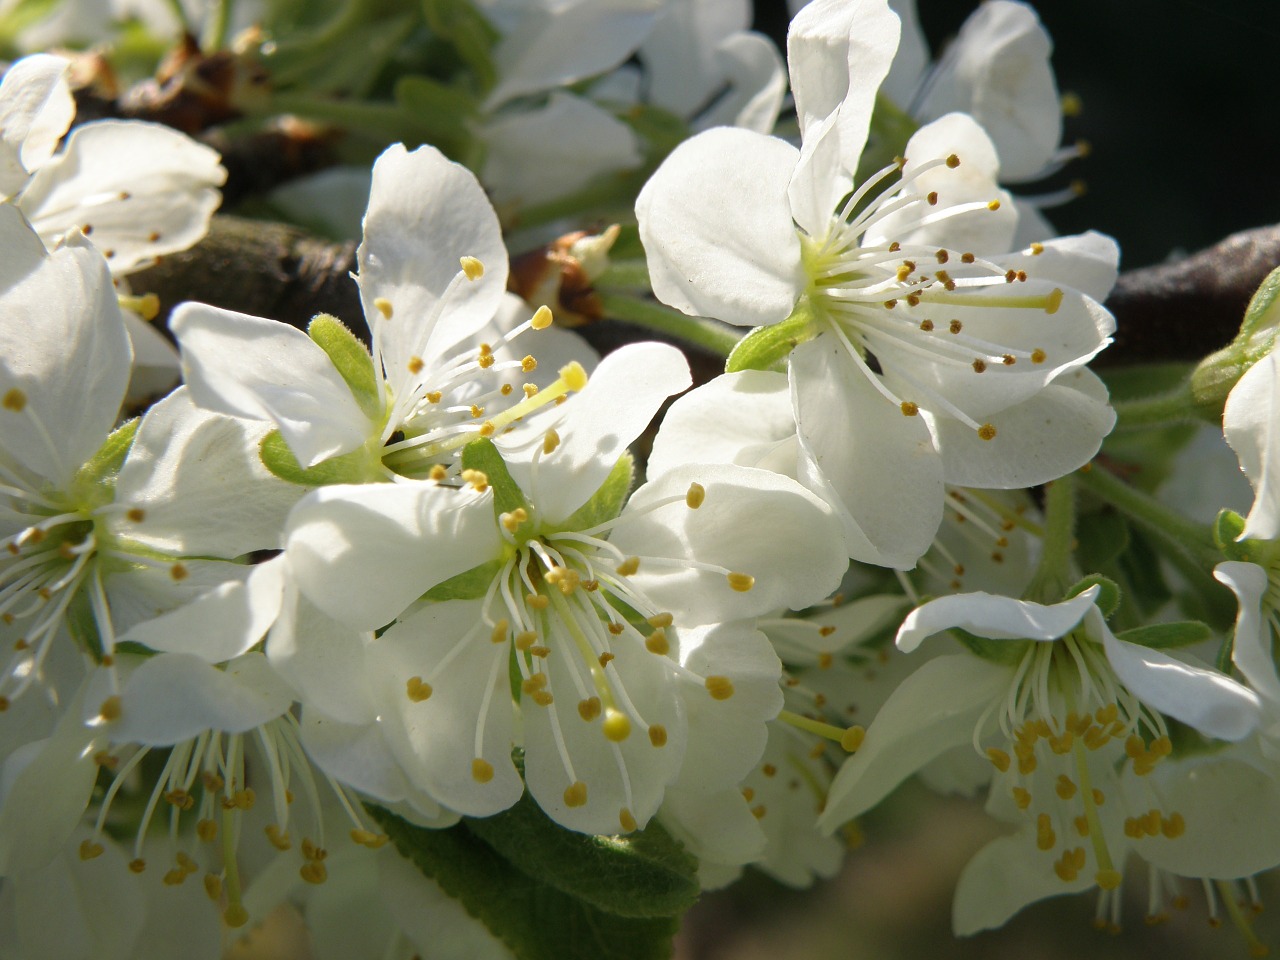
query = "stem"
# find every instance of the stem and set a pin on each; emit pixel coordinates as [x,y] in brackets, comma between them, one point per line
[1053,574]
[1165,524]
[1160,410]
[651,315]
[378,118]
[625,275]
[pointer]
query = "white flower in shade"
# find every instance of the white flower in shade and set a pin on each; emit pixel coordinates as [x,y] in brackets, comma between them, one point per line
[1059,719]
[927,352]
[590,604]
[432,276]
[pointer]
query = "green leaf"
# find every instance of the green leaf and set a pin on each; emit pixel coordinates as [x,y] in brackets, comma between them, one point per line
[607,502]
[446,106]
[765,348]
[645,874]
[354,467]
[469,32]
[1007,652]
[1167,636]
[482,455]
[469,585]
[1100,538]
[661,130]
[1140,564]
[1108,597]
[535,920]
[98,475]
[352,361]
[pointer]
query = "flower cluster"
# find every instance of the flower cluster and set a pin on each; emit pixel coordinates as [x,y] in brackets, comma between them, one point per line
[446,574]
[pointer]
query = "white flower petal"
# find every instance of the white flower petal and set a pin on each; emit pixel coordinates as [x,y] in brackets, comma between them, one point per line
[173,697]
[144,189]
[363,554]
[1251,652]
[1088,262]
[221,624]
[1001,879]
[876,467]
[910,61]
[260,369]
[715,826]
[757,79]
[717,229]
[425,213]
[356,755]
[678,53]
[993,617]
[64,348]
[1040,439]
[935,709]
[751,522]
[468,714]
[539,155]
[1251,422]
[200,484]
[1203,698]
[156,367]
[743,418]
[36,108]
[620,399]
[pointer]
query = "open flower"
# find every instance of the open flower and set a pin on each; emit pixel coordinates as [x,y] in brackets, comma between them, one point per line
[1060,716]
[546,569]
[927,351]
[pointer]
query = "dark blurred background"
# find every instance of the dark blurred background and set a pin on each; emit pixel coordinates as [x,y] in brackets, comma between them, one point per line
[1181,105]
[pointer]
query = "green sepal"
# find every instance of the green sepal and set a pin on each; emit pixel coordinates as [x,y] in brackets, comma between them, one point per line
[1100,538]
[765,348]
[482,455]
[1168,636]
[1007,652]
[607,502]
[352,361]
[643,874]
[1227,528]
[1219,372]
[1108,597]
[471,584]
[353,467]
[534,919]
[97,476]
[469,32]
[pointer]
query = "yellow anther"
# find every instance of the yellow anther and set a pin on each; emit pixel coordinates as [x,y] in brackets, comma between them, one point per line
[574,377]
[909,409]
[14,400]
[540,651]
[932,198]
[999,759]
[435,396]
[1134,748]
[1051,304]
[314,871]
[110,709]
[720,688]
[656,642]
[278,838]
[1173,826]
[953,161]
[500,631]
[136,515]
[477,479]
[526,639]
[550,441]
[589,709]
[1133,828]
[626,820]
[628,566]
[481,770]
[986,432]
[1107,879]
[748,794]
[1161,746]
[537,601]
[769,770]
[575,795]
[89,849]
[741,582]
[1082,825]
[955,326]
[213,887]
[979,365]
[416,364]
[472,267]
[534,683]
[1061,743]
[1151,821]
[759,810]
[477,412]
[511,521]
[438,472]
[367,838]
[530,389]
[542,318]
[1065,787]
[138,865]
[993,205]
[695,495]
[1045,837]
[890,304]
[825,660]
[617,725]
[606,658]
[383,306]
[658,735]
[1022,797]
[235,915]
[207,830]
[1099,798]
[660,620]
[529,364]
[417,689]
[851,739]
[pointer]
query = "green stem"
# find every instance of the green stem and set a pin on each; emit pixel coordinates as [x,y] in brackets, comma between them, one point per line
[1161,410]
[1053,574]
[215,37]
[383,120]
[625,275]
[652,315]
[1163,523]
